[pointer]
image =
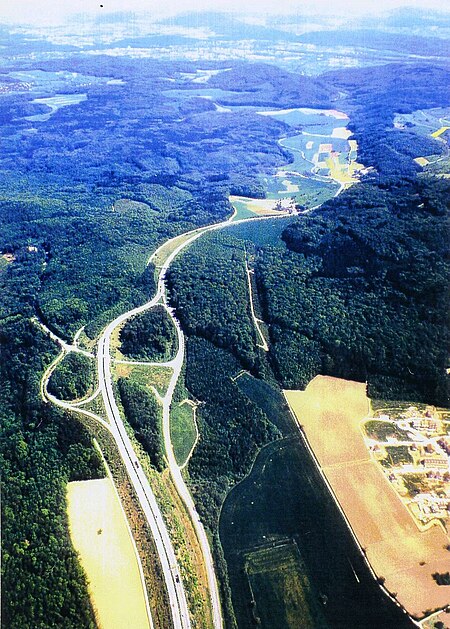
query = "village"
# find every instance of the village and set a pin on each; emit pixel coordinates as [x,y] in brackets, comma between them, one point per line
[412,445]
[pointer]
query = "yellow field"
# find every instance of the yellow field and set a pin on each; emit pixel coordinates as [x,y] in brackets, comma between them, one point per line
[439,132]
[330,412]
[422,161]
[100,535]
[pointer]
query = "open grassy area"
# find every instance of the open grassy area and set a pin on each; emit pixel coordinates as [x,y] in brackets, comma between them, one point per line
[183,433]
[169,247]
[158,377]
[242,211]
[100,535]
[330,411]
[247,207]
[281,589]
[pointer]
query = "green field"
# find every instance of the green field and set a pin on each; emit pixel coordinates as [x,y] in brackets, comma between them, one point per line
[381,430]
[270,400]
[282,597]
[311,192]
[182,431]
[242,211]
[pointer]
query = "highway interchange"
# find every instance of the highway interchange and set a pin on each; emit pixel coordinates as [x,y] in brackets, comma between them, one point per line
[114,424]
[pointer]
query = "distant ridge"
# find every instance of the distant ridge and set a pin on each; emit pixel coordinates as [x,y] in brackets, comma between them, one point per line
[395,42]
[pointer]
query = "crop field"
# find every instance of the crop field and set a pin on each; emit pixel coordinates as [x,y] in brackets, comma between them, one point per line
[332,408]
[183,432]
[281,589]
[439,132]
[330,412]
[100,535]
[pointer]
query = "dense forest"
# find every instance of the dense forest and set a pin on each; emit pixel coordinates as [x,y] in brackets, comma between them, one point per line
[193,279]
[73,378]
[41,449]
[232,427]
[358,290]
[361,292]
[144,416]
[150,336]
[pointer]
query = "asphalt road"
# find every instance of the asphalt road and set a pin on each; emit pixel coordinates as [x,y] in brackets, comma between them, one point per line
[171,571]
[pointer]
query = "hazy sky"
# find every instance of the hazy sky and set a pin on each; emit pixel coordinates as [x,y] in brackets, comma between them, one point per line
[54,11]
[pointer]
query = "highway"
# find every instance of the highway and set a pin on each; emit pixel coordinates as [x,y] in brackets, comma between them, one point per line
[169,563]
[174,584]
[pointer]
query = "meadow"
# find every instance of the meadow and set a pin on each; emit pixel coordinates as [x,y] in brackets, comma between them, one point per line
[183,432]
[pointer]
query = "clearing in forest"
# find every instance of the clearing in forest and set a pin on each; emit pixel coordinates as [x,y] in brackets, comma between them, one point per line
[183,431]
[100,534]
[255,207]
[330,412]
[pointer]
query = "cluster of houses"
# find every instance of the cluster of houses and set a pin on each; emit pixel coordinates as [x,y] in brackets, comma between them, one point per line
[421,472]
[13,86]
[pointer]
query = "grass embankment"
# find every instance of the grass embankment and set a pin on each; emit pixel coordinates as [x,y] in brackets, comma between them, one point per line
[183,431]
[330,412]
[168,248]
[99,532]
[182,535]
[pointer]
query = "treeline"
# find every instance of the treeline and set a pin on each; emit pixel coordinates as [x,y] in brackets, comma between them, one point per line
[144,416]
[232,428]
[149,336]
[73,377]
